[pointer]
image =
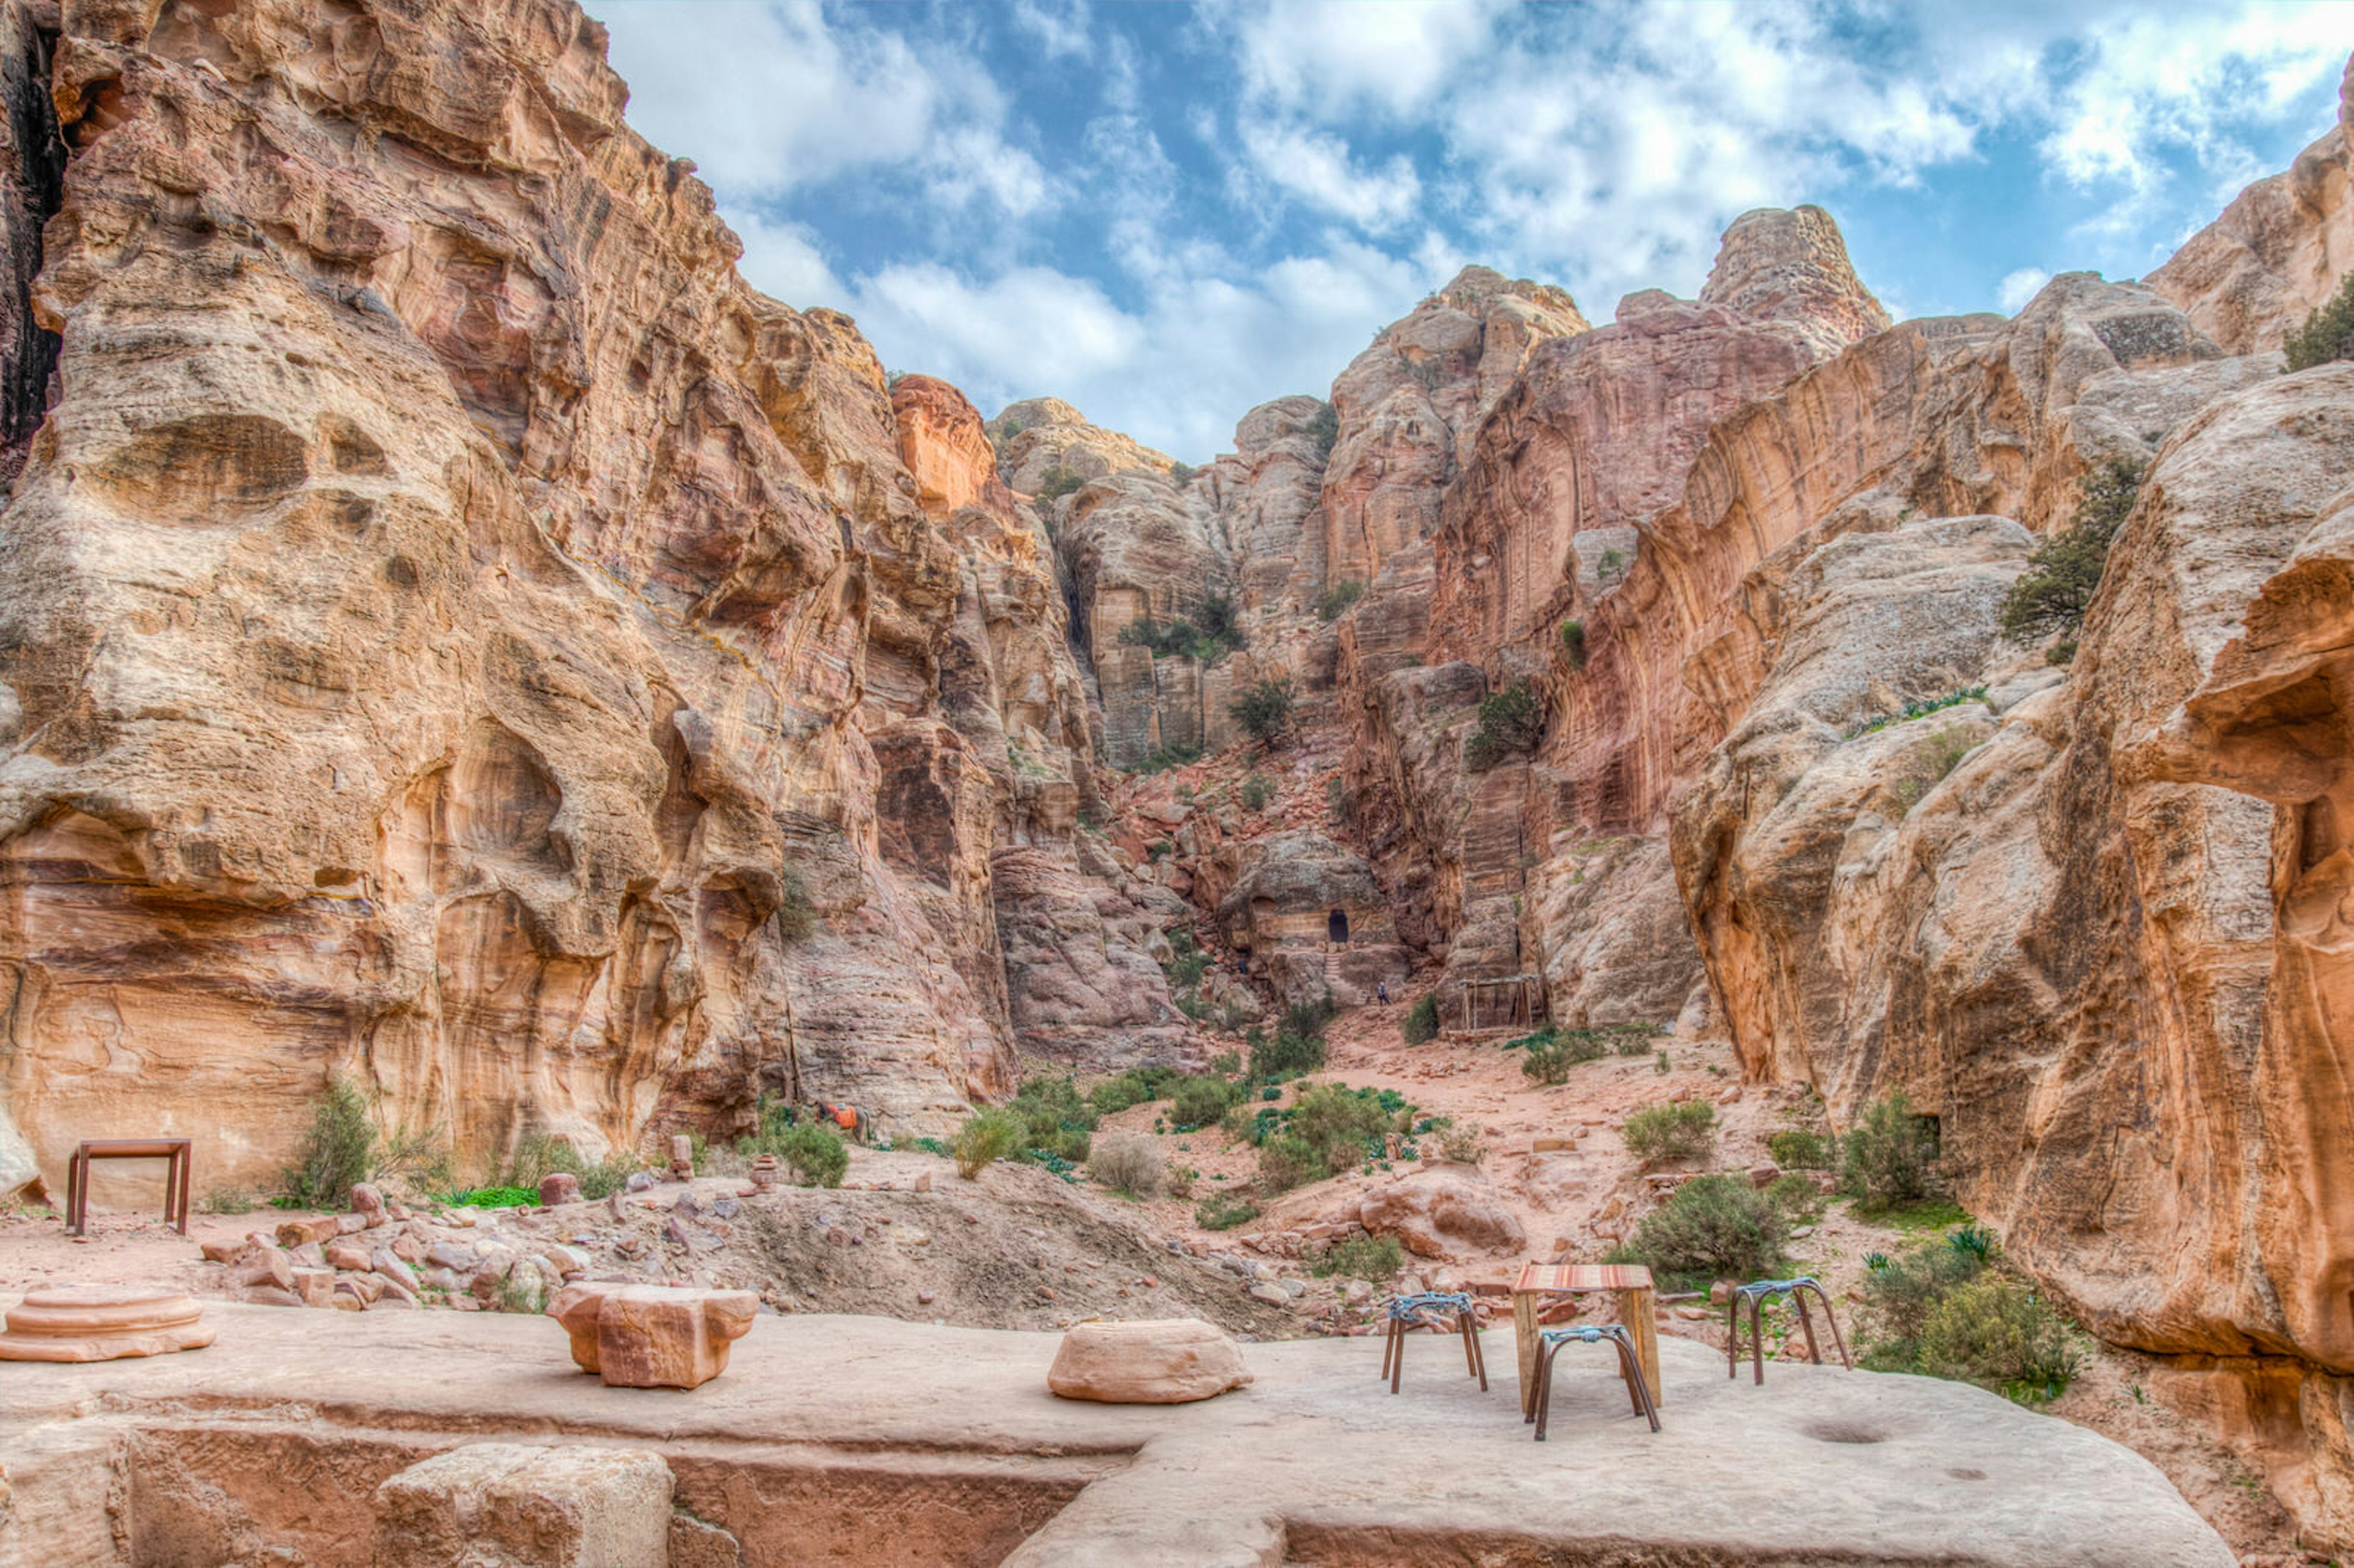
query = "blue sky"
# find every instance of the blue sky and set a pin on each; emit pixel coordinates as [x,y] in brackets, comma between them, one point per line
[1167,214]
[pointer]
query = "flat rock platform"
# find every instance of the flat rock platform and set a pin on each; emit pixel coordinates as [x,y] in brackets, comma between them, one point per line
[842,1441]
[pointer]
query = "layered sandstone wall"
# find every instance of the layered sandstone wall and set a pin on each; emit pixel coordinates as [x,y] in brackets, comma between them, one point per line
[457,634]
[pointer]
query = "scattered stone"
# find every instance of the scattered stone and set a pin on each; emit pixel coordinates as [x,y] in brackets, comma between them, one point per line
[558,1187]
[1168,1360]
[366,1198]
[649,1336]
[511,1505]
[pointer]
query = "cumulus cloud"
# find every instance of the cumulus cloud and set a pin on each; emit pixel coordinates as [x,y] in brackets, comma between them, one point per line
[1221,206]
[2017,288]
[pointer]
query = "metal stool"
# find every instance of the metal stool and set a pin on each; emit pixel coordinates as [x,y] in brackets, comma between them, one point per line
[1426,1309]
[1755,1294]
[1630,1367]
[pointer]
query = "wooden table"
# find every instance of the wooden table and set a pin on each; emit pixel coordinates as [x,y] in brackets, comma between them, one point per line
[1631,1283]
[94,1149]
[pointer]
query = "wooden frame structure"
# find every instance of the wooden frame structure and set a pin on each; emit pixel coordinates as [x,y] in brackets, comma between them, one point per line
[1506,1002]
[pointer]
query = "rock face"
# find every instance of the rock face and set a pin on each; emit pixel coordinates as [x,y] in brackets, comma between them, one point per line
[1309,918]
[478,644]
[1152,1360]
[1440,1213]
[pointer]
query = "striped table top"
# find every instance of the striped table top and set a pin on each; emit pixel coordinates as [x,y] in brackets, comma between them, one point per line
[1547,1277]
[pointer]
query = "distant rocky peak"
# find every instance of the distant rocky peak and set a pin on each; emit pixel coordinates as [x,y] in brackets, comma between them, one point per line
[1792,265]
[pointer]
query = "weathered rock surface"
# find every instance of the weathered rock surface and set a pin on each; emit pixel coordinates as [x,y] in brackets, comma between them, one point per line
[1150,1360]
[1310,919]
[1438,1213]
[1039,435]
[512,1505]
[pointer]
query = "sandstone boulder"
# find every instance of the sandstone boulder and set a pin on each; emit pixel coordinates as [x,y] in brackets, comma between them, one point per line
[652,1336]
[1167,1360]
[511,1505]
[1437,1214]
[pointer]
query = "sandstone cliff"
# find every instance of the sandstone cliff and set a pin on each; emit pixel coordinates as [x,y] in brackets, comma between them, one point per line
[461,635]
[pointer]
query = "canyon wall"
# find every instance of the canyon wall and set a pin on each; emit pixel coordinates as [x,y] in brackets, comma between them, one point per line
[455,634]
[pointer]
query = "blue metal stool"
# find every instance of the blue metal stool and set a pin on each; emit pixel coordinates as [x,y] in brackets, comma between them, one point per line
[1630,1367]
[1755,1294]
[1427,1310]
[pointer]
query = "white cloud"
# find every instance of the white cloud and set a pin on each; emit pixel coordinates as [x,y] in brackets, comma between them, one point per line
[1333,56]
[783,260]
[2017,288]
[1061,31]
[1317,168]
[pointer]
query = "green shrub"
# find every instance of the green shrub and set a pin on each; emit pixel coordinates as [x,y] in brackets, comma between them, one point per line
[1377,1258]
[1285,1056]
[2327,333]
[1462,1145]
[1573,644]
[1716,1226]
[497,1198]
[1898,1295]
[1336,599]
[1421,1024]
[1551,1052]
[1890,1154]
[1323,428]
[1800,1200]
[1611,567]
[989,1134]
[812,1152]
[2060,653]
[1199,1102]
[339,1151]
[227,1201]
[1054,1119]
[1511,722]
[1343,1127]
[1683,1131]
[1138,1086]
[796,914]
[1997,1333]
[1130,1164]
[1058,481]
[1264,710]
[1286,1161]
[1218,1212]
[1307,1019]
[1256,791]
[2061,575]
[1182,474]
[1795,1148]
[1161,758]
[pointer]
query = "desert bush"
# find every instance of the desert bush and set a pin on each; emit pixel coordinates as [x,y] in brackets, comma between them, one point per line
[1421,1024]
[1511,722]
[1223,1212]
[337,1152]
[2327,333]
[1716,1226]
[2063,574]
[1463,1145]
[1199,1102]
[1285,1056]
[1264,709]
[989,1134]
[796,916]
[1996,1331]
[1891,1154]
[1377,1258]
[1130,1164]
[1340,1126]
[1800,1200]
[1136,1087]
[1683,1131]
[229,1201]
[813,1153]
[1795,1148]
[1256,791]
[1182,474]
[1285,1162]
[1058,481]
[1573,644]
[1307,1019]
[1336,599]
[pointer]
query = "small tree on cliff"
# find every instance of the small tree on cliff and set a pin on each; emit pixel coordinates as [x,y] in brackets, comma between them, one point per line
[2327,333]
[2056,589]
[1512,723]
[1264,709]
